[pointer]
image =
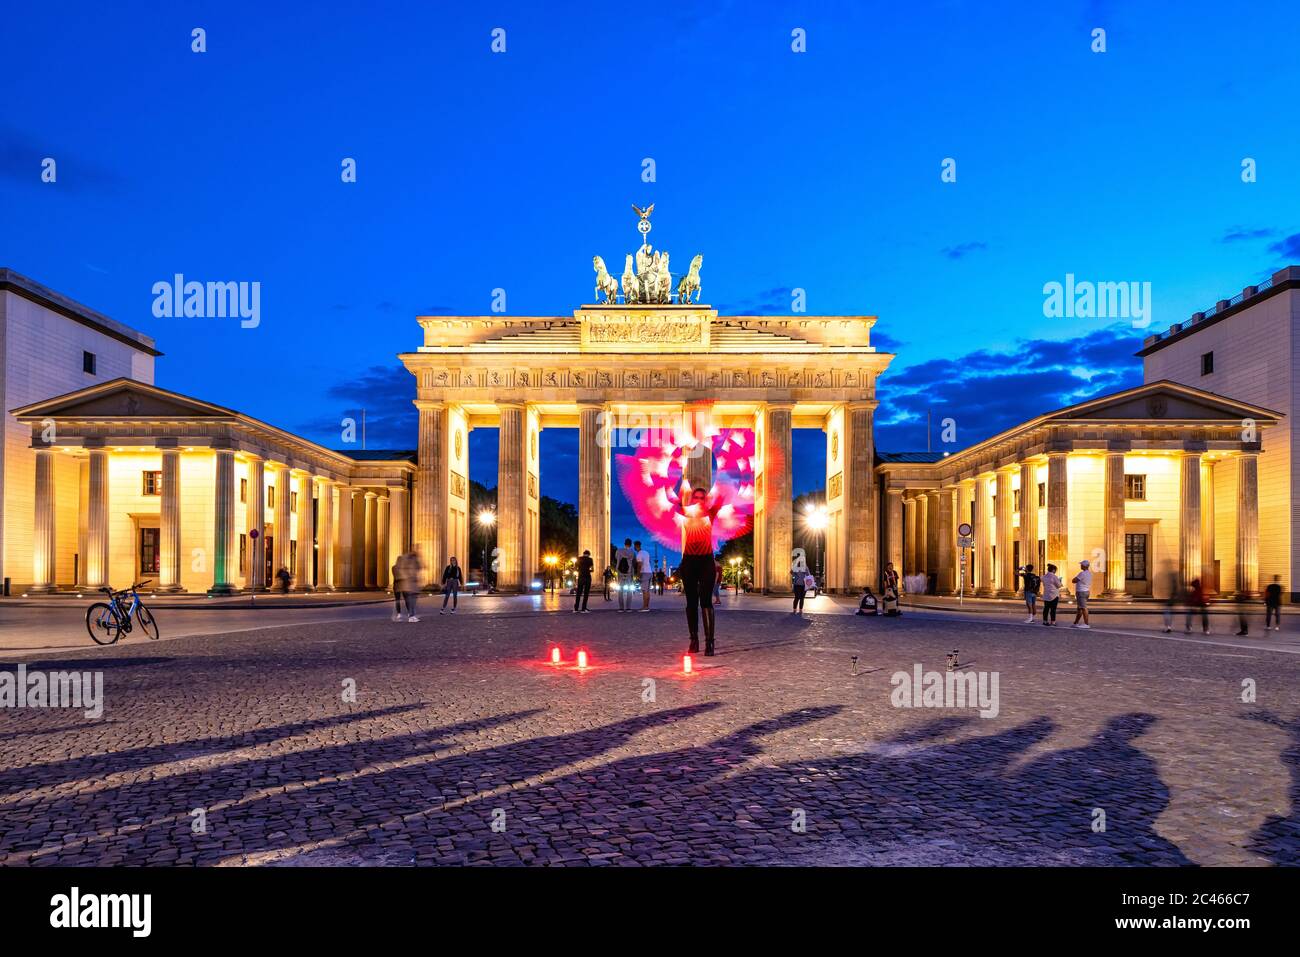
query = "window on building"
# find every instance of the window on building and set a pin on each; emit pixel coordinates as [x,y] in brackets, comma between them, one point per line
[1135,557]
[1207,363]
[88,362]
[1018,498]
[152,483]
[243,490]
[1135,487]
[293,501]
[1042,495]
[270,496]
[150,547]
[243,553]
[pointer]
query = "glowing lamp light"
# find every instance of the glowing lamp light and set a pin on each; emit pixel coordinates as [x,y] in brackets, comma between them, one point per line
[555,655]
[582,657]
[686,664]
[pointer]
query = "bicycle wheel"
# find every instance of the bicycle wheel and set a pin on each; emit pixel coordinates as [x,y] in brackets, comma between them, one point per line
[103,624]
[147,621]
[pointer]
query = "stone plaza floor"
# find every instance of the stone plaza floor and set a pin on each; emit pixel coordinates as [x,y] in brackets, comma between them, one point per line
[464,746]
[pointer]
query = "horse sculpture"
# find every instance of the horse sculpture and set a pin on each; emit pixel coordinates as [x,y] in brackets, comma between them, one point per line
[690,283]
[605,283]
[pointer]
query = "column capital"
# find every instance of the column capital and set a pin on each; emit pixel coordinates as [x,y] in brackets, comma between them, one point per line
[370,495]
[430,405]
[894,490]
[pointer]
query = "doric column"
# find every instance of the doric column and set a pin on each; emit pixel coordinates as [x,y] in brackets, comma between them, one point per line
[306,534]
[944,584]
[83,512]
[169,546]
[369,549]
[283,525]
[224,561]
[699,466]
[1029,516]
[325,537]
[1058,513]
[894,528]
[1189,518]
[1248,525]
[859,522]
[397,512]
[382,564]
[909,550]
[511,503]
[97,520]
[1114,525]
[346,576]
[1006,533]
[593,491]
[966,494]
[984,539]
[255,519]
[431,485]
[778,502]
[1209,578]
[923,537]
[43,524]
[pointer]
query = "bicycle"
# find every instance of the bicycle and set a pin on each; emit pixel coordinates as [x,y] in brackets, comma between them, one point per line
[108,621]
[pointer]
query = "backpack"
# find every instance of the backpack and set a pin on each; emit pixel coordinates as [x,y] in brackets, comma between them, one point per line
[623,565]
[1032,582]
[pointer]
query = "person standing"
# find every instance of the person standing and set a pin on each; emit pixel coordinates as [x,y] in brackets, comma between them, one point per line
[644,571]
[452,579]
[399,586]
[1031,583]
[1051,595]
[889,580]
[580,595]
[799,581]
[1273,604]
[1170,584]
[1082,586]
[625,565]
[1196,603]
[412,575]
[717,584]
[698,570]
[608,576]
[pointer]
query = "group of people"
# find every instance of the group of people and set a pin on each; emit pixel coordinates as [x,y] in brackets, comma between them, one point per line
[887,603]
[408,580]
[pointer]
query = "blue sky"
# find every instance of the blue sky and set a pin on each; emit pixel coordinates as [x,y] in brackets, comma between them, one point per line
[818,170]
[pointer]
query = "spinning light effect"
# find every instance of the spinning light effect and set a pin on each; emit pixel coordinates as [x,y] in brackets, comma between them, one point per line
[652,478]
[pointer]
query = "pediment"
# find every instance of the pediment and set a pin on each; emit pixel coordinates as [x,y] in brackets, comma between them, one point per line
[122,399]
[1165,400]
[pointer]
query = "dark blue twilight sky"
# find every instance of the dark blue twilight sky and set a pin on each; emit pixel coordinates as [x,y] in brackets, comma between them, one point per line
[818,170]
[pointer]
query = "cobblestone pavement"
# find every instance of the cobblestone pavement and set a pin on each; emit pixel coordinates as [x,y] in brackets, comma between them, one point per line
[459,724]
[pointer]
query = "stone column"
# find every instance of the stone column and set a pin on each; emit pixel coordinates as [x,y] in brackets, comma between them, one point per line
[283,526]
[945,584]
[224,561]
[382,564]
[1006,533]
[325,538]
[345,556]
[430,526]
[397,512]
[306,534]
[1248,525]
[1058,513]
[593,501]
[1114,525]
[860,496]
[512,513]
[909,552]
[984,539]
[97,521]
[1029,516]
[894,528]
[965,499]
[370,562]
[255,506]
[779,505]
[923,537]
[1209,577]
[1189,518]
[699,466]
[169,523]
[83,513]
[43,538]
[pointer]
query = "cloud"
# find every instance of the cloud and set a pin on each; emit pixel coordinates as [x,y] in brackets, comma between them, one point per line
[21,157]
[884,342]
[986,392]
[774,301]
[961,250]
[1288,248]
[386,393]
[1236,234]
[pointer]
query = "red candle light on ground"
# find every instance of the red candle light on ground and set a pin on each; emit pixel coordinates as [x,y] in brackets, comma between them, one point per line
[555,655]
[686,664]
[582,657]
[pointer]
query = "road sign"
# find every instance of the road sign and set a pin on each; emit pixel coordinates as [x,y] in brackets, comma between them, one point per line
[965,541]
[964,531]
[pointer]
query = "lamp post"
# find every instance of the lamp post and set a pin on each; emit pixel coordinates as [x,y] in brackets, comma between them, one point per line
[486,518]
[816,519]
[550,561]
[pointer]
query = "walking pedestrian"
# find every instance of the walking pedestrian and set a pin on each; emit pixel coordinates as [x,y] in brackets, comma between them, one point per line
[583,592]
[1169,582]
[1196,603]
[717,584]
[1051,595]
[399,586]
[799,581]
[698,570]
[1273,604]
[644,571]
[283,577]
[411,572]
[452,579]
[1031,583]
[1082,586]
[625,563]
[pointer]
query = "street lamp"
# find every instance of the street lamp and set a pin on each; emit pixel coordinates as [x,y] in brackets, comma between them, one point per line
[486,518]
[550,561]
[816,519]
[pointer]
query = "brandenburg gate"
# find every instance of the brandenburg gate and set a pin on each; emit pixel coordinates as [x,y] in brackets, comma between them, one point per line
[649,355]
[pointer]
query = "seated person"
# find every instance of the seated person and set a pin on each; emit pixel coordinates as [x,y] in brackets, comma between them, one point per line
[868,606]
[889,603]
